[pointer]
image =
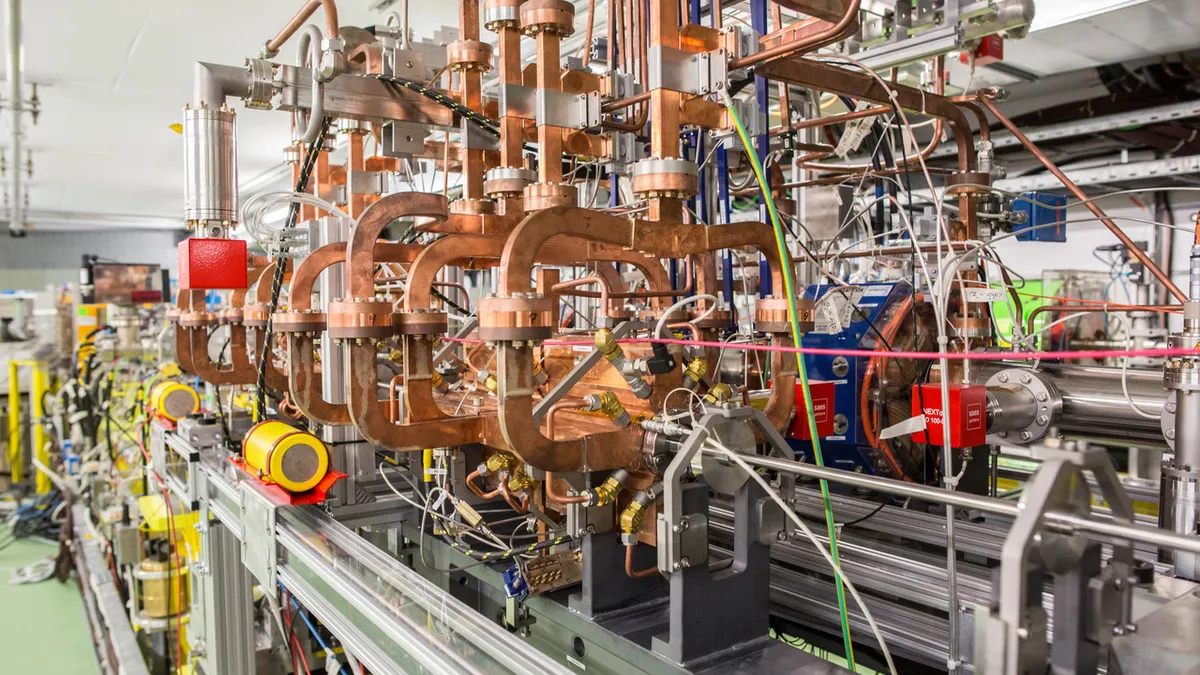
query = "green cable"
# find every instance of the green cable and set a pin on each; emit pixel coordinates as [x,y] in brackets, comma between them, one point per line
[803,370]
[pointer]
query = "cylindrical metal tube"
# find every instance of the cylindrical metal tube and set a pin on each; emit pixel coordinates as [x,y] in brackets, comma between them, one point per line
[1094,404]
[210,165]
[16,98]
[1010,409]
[1057,520]
[1187,429]
[1179,511]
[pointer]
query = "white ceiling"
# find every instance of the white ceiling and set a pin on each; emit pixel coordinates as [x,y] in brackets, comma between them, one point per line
[116,73]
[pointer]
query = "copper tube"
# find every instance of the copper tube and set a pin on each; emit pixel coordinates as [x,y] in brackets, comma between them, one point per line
[393,403]
[817,122]
[718,16]
[638,574]
[458,287]
[849,177]
[309,8]
[556,498]
[684,325]
[586,281]
[985,132]
[519,507]
[1093,308]
[611,7]
[985,98]
[613,106]
[834,33]
[567,403]
[587,40]
[470,481]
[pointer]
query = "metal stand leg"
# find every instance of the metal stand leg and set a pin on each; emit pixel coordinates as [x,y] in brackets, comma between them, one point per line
[712,612]
[606,587]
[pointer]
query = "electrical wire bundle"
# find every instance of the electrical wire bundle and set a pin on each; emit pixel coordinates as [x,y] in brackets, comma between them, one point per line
[41,518]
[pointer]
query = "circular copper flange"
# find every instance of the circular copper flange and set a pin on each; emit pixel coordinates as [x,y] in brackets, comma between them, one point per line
[473,207]
[499,14]
[968,182]
[548,16]
[359,318]
[670,177]
[771,315]
[419,322]
[542,196]
[518,318]
[507,181]
[173,314]
[300,321]
[971,327]
[469,55]
[231,315]
[255,315]
[719,318]
[201,319]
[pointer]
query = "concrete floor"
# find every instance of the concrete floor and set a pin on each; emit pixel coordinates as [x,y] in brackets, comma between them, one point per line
[43,628]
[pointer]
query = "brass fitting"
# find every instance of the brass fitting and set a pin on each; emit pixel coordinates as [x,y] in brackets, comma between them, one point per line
[631,517]
[540,376]
[609,489]
[606,344]
[694,373]
[439,384]
[719,393]
[499,461]
[520,480]
[489,381]
[606,403]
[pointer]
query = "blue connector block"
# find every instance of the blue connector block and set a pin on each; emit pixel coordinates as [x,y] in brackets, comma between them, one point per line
[514,584]
[1036,215]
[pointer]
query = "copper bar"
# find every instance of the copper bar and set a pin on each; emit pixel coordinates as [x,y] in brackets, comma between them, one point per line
[550,146]
[1090,307]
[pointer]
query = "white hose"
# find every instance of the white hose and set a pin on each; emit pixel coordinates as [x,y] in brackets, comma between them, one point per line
[684,303]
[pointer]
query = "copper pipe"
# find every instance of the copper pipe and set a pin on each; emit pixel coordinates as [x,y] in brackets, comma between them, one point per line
[638,574]
[985,132]
[832,34]
[565,404]
[850,177]
[611,35]
[458,287]
[309,8]
[1092,308]
[717,14]
[393,403]
[817,122]
[519,507]
[613,106]
[985,98]
[684,325]
[470,481]
[587,40]
[586,281]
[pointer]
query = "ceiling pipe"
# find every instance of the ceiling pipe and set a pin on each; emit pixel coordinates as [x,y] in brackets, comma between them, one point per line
[16,76]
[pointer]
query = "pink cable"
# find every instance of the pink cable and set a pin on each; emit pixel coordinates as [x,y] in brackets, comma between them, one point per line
[971,356]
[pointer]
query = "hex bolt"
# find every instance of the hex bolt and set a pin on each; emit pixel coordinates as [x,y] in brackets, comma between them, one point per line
[1041,420]
[1026,378]
[1003,377]
[1025,435]
[1041,396]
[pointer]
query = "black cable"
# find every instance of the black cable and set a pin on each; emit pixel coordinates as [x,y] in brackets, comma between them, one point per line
[481,121]
[856,521]
[310,161]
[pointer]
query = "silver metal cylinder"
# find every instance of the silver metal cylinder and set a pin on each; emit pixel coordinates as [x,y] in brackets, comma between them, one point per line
[16,98]
[1187,429]
[1179,512]
[1093,403]
[1010,408]
[210,166]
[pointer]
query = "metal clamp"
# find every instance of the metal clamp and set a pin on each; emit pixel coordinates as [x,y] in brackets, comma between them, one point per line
[258,534]
[570,111]
[689,72]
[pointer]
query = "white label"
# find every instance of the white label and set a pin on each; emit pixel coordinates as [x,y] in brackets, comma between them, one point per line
[986,295]
[582,348]
[836,309]
[872,291]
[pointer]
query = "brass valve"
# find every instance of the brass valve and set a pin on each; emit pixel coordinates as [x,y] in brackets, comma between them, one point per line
[439,384]
[694,373]
[606,343]
[520,480]
[606,403]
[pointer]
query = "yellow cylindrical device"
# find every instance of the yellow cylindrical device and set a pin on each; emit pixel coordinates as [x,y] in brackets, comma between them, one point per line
[173,400]
[294,460]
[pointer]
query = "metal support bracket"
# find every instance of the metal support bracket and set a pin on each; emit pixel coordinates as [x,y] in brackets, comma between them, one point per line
[570,111]
[688,72]
[403,139]
[258,534]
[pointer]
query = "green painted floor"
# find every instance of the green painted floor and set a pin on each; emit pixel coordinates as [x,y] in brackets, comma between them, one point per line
[43,628]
